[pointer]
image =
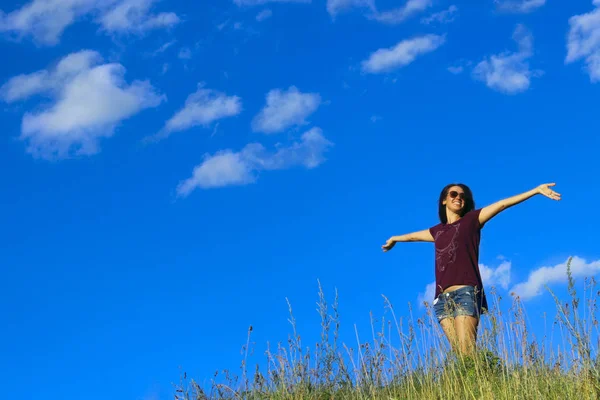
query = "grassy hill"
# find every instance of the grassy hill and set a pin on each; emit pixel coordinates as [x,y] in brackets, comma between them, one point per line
[418,364]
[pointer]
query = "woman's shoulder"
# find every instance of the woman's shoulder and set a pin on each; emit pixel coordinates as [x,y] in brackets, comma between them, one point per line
[473,213]
[472,218]
[436,228]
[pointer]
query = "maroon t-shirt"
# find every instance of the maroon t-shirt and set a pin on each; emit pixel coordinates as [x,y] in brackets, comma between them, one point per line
[457,253]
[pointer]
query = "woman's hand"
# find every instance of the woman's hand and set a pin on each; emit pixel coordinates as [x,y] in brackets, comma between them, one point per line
[389,244]
[546,191]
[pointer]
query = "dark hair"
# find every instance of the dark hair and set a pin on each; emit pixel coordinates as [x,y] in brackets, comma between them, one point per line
[469,202]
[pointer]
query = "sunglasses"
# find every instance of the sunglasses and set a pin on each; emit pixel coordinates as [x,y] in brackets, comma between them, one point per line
[453,194]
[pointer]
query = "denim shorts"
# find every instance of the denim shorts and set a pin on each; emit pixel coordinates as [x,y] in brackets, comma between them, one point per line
[465,301]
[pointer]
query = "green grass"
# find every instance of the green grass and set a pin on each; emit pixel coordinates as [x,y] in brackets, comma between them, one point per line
[412,360]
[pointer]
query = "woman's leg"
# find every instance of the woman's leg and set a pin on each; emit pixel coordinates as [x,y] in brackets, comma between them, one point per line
[448,326]
[466,333]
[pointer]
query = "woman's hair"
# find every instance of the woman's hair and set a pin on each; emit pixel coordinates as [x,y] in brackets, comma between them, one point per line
[469,202]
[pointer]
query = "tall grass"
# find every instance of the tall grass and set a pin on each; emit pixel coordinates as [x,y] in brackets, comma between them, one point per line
[408,359]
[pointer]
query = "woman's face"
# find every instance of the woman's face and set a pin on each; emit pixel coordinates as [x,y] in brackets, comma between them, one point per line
[455,199]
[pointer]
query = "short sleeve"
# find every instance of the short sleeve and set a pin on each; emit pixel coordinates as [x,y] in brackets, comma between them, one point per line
[434,229]
[474,218]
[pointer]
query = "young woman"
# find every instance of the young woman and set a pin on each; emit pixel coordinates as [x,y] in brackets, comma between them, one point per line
[459,296]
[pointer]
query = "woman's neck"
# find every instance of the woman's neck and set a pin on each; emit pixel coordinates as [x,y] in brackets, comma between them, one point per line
[451,217]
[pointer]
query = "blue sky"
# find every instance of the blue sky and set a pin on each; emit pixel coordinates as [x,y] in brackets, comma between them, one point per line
[172,173]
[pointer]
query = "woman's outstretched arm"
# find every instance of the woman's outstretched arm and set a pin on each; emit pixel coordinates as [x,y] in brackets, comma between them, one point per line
[492,210]
[420,236]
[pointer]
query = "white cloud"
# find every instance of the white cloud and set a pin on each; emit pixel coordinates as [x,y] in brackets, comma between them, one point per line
[185,53]
[459,66]
[442,17]
[228,168]
[164,47]
[534,285]
[222,25]
[499,276]
[46,20]
[402,54]
[455,69]
[335,7]
[401,14]
[134,16]
[250,3]
[584,41]
[394,16]
[225,168]
[519,6]
[263,15]
[427,295]
[89,100]
[23,86]
[202,108]
[285,109]
[508,72]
